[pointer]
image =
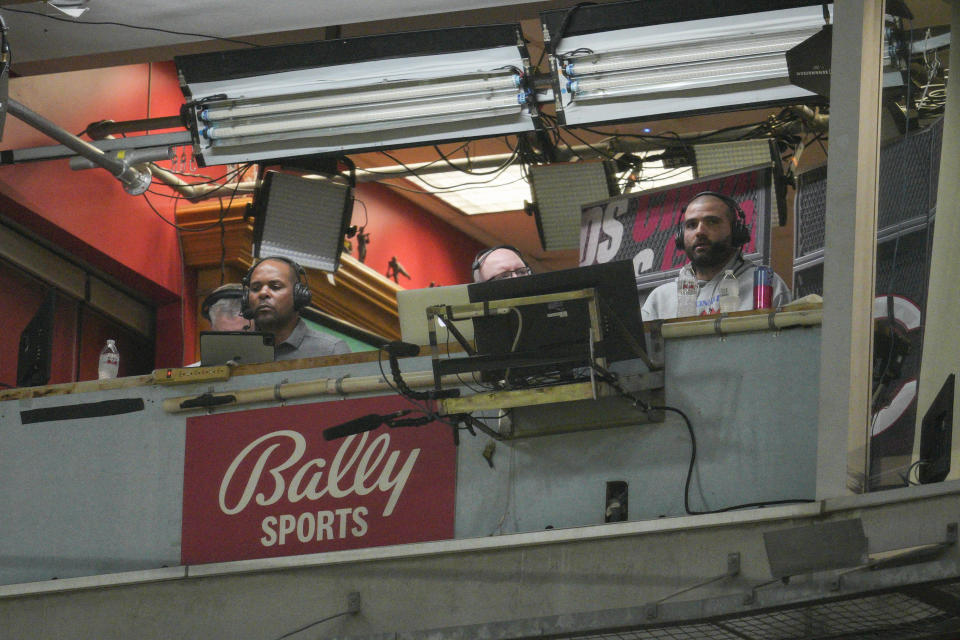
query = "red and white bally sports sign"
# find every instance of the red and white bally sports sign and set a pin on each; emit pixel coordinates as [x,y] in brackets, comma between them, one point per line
[265,483]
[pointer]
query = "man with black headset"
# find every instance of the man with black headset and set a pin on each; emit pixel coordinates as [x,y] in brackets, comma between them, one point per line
[711,231]
[274,292]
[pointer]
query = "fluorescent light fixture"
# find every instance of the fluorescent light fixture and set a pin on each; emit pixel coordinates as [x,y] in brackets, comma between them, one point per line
[302,218]
[358,94]
[506,190]
[559,190]
[668,67]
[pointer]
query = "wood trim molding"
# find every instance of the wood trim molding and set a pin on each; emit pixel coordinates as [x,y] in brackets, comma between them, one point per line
[356,293]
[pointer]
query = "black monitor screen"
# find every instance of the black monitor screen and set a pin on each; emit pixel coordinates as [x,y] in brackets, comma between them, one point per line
[36,346]
[936,431]
[553,339]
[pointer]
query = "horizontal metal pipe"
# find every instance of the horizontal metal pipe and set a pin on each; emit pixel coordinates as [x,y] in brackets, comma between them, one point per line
[131,157]
[322,386]
[135,182]
[757,321]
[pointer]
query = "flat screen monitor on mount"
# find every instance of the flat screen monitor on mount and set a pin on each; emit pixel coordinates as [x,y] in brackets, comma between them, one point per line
[936,431]
[36,346]
[547,342]
[236,347]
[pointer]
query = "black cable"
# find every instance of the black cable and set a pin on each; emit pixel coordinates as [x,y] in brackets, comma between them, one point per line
[424,166]
[469,172]
[496,173]
[693,458]
[423,408]
[223,210]
[564,23]
[639,404]
[129,26]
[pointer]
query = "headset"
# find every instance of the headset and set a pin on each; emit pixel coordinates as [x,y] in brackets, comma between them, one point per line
[739,232]
[482,256]
[301,292]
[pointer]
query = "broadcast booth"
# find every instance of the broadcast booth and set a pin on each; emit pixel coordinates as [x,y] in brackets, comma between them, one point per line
[531,458]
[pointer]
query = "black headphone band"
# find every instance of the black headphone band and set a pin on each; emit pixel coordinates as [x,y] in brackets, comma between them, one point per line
[479,259]
[739,232]
[301,274]
[301,291]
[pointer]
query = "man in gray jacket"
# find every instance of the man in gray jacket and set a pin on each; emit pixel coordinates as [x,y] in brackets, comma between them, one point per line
[275,292]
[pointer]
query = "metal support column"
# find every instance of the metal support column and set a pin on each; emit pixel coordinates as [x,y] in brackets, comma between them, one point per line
[941,350]
[849,264]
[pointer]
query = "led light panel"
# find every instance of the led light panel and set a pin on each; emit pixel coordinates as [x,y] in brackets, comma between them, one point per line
[304,219]
[558,191]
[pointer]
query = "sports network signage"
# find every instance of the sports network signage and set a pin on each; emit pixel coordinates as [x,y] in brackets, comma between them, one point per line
[265,483]
[641,227]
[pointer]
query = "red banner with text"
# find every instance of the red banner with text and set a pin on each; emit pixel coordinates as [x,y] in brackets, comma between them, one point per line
[641,226]
[264,483]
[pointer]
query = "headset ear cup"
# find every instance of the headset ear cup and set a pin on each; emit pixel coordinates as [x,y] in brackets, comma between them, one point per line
[741,233]
[301,296]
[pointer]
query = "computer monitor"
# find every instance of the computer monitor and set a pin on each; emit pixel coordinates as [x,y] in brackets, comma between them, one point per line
[551,340]
[236,347]
[36,345]
[936,431]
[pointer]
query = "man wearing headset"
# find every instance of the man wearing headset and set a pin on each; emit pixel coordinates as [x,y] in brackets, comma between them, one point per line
[499,262]
[712,230]
[222,308]
[275,293]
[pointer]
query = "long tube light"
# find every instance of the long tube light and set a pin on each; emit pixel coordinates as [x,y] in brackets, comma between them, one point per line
[722,49]
[357,94]
[373,118]
[658,80]
[320,100]
[308,114]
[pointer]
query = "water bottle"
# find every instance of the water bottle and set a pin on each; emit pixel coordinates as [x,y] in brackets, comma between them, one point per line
[109,361]
[729,290]
[687,291]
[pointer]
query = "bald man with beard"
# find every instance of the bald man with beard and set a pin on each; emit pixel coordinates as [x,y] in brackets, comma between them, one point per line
[707,225]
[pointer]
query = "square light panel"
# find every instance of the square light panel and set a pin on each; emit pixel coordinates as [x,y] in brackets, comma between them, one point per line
[304,219]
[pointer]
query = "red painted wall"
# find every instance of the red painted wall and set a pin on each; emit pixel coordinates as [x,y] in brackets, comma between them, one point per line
[430,250]
[87,212]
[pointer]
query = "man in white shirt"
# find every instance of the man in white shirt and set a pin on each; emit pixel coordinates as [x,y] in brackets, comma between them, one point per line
[712,230]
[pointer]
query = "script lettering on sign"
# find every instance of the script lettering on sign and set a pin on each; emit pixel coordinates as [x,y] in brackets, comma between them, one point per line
[264,483]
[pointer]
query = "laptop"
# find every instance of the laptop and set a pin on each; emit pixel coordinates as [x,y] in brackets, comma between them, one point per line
[235,347]
[412,307]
